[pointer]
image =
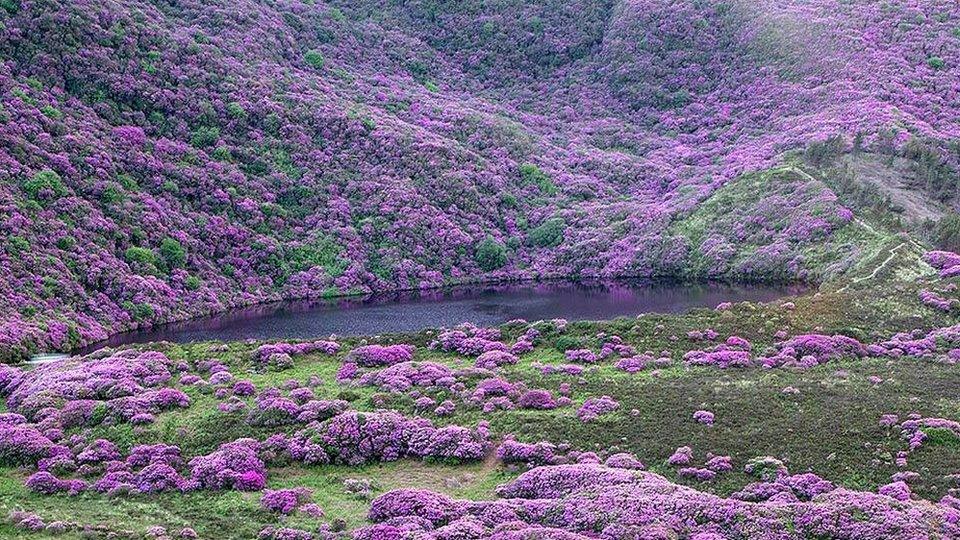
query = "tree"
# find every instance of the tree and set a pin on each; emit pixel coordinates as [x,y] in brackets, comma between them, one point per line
[947,232]
[531,174]
[140,256]
[173,253]
[490,254]
[549,233]
[314,58]
[45,181]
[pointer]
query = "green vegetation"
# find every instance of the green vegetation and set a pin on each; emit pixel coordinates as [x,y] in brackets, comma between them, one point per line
[66,242]
[491,254]
[549,233]
[43,182]
[838,402]
[314,59]
[17,245]
[140,255]
[947,232]
[323,252]
[236,110]
[530,174]
[172,253]
[205,136]
[51,112]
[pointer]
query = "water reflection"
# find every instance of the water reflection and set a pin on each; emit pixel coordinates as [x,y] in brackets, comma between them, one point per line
[481,304]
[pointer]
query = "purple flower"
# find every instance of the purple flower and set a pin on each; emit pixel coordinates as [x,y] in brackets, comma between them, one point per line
[593,408]
[682,456]
[380,355]
[704,417]
[284,501]
[537,399]
[582,356]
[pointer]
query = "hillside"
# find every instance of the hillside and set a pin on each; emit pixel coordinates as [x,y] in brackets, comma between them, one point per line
[162,160]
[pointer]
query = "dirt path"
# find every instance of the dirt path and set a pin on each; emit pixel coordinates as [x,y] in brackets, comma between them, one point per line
[876,270]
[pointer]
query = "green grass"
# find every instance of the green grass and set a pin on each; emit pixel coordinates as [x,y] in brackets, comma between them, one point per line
[234,514]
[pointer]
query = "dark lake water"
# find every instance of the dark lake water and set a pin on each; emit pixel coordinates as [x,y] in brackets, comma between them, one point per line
[479,304]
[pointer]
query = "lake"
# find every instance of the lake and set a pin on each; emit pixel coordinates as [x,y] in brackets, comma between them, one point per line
[484,305]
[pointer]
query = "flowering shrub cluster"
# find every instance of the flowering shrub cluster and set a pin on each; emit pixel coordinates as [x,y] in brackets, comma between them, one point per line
[803,351]
[495,359]
[380,355]
[284,501]
[125,387]
[401,377]
[280,355]
[704,417]
[634,364]
[354,438]
[934,300]
[470,340]
[947,262]
[614,346]
[920,343]
[582,356]
[584,501]
[915,430]
[593,408]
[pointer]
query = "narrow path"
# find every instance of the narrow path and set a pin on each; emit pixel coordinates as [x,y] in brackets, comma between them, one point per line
[909,243]
[875,270]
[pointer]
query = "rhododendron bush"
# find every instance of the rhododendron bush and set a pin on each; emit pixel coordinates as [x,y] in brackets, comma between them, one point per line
[159,163]
[594,501]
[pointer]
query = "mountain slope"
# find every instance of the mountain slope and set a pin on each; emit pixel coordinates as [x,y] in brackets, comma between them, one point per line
[161,160]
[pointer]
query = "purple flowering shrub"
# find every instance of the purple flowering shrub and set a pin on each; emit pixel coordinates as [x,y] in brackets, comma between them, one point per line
[937,301]
[581,356]
[538,399]
[380,355]
[284,501]
[721,356]
[947,262]
[511,451]
[704,417]
[593,408]
[127,386]
[471,340]
[354,438]
[264,352]
[576,501]
[235,465]
[24,445]
[405,375]
[494,359]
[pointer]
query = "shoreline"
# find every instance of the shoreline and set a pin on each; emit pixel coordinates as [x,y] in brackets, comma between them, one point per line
[418,293]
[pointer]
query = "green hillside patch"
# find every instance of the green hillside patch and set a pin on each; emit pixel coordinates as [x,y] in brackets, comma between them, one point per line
[764,225]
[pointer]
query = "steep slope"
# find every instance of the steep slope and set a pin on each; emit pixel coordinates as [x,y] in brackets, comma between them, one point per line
[161,160]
